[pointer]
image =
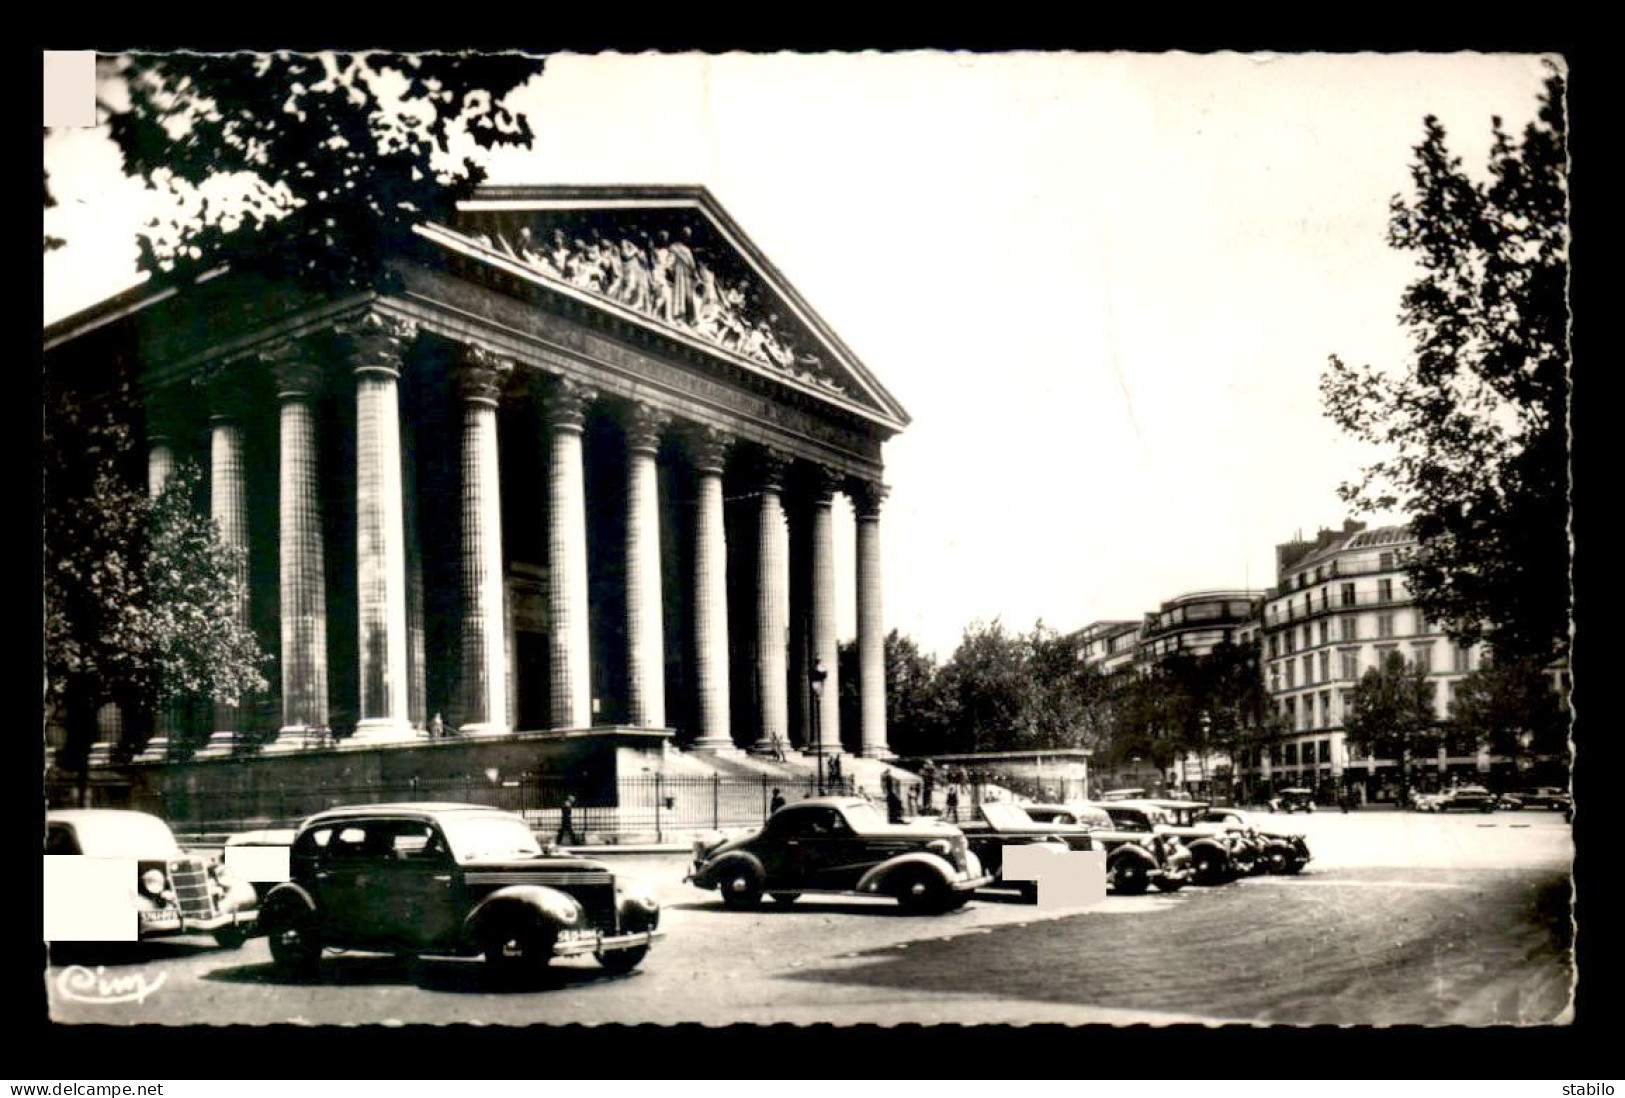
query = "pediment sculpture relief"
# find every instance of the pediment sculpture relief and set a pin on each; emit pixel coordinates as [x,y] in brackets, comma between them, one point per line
[666,274]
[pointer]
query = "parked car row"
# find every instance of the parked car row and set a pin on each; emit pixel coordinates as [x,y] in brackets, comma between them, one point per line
[1477,798]
[467,880]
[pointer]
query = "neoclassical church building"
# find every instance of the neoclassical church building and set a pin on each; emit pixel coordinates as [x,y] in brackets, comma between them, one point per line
[574,471]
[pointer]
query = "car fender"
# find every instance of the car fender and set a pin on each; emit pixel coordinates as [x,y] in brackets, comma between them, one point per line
[285,896]
[1196,846]
[559,909]
[637,909]
[875,880]
[708,874]
[1131,852]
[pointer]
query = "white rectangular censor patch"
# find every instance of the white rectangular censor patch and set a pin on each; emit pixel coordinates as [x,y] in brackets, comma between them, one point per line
[89,899]
[258,864]
[1065,878]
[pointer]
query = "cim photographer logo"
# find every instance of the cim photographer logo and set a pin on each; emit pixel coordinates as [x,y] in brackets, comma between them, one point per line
[82,985]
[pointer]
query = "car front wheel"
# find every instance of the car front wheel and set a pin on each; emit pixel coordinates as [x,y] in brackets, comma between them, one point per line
[1130,878]
[520,950]
[741,887]
[296,943]
[921,892]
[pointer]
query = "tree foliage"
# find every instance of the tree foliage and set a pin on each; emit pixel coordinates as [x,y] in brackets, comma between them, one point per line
[1393,712]
[1511,708]
[1475,425]
[332,157]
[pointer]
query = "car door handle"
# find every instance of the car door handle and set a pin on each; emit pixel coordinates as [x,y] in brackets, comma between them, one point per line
[443,878]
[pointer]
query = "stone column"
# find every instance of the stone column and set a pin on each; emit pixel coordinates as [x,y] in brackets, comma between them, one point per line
[827,735]
[646,656]
[163,431]
[772,605]
[228,506]
[566,406]
[480,378]
[866,499]
[417,693]
[302,573]
[715,732]
[376,343]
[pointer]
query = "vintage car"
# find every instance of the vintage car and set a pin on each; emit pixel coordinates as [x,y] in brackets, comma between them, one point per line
[451,880]
[1296,799]
[1141,849]
[1548,797]
[1219,853]
[1464,798]
[995,825]
[1279,851]
[117,876]
[841,844]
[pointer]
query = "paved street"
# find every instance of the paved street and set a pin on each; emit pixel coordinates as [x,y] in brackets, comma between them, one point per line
[1401,918]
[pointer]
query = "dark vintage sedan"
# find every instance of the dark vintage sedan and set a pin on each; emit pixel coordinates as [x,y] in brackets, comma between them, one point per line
[1465,798]
[1219,853]
[997,825]
[841,844]
[1279,851]
[1141,850]
[450,879]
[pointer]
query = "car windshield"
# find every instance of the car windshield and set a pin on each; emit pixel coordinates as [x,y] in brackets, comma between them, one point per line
[864,817]
[1004,814]
[125,835]
[489,836]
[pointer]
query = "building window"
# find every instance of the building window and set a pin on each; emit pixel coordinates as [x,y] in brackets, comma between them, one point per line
[1291,674]
[1325,666]
[1346,700]
[1385,591]
[1291,754]
[1423,658]
[1275,678]
[1349,628]
[1290,636]
[1325,751]
[1349,661]
[1273,646]
[1348,594]
[1385,625]
[1461,658]
[1308,670]
[1325,632]
[1385,561]
[1325,598]
[1307,643]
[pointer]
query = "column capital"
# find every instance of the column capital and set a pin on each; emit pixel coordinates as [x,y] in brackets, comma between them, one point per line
[222,392]
[481,373]
[565,403]
[770,466]
[164,413]
[866,496]
[295,366]
[818,485]
[375,340]
[644,424]
[708,446]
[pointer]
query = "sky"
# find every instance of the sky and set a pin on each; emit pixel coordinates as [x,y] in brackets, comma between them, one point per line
[1104,286]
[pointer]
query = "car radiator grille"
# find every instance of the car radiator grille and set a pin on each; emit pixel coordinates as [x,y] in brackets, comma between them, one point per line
[190,881]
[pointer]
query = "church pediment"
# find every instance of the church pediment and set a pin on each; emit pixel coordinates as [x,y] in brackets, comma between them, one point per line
[674,259]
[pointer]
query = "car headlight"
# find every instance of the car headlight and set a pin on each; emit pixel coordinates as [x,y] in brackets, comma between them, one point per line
[222,874]
[940,846]
[152,882]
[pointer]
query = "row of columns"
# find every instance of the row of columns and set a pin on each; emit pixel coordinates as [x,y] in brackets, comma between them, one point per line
[376,344]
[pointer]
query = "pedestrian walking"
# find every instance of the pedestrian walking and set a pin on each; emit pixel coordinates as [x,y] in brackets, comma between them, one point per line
[953,803]
[776,803]
[894,803]
[776,750]
[835,769]
[567,825]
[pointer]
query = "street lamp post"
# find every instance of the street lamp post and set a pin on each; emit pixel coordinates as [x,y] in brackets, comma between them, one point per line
[815,679]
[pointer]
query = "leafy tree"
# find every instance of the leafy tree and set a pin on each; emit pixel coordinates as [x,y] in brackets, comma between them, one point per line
[1392,713]
[1476,423]
[331,158]
[1512,709]
[983,687]
[139,608]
